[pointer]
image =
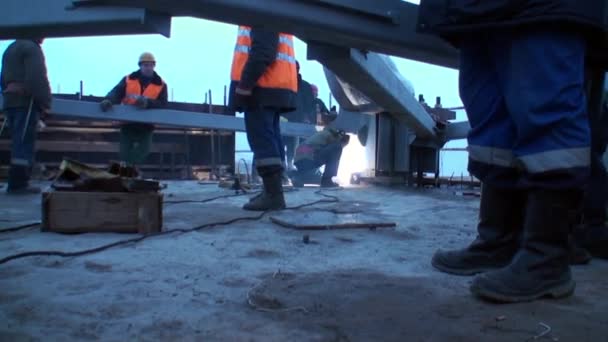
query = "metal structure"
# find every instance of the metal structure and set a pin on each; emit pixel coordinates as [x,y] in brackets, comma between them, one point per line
[341,35]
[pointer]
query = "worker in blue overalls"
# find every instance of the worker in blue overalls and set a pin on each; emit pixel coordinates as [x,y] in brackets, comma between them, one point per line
[522,74]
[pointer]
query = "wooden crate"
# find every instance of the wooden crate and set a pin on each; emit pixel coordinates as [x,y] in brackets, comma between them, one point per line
[119,212]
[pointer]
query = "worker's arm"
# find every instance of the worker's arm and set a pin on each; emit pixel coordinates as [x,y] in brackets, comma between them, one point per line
[162,100]
[118,92]
[264,45]
[36,80]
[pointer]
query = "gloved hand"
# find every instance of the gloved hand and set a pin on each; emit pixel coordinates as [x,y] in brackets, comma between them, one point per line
[142,102]
[105,105]
[345,138]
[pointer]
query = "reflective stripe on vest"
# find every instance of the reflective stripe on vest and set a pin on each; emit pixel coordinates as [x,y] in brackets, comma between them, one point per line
[133,90]
[281,74]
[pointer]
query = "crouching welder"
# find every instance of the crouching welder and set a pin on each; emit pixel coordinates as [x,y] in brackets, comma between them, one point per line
[322,148]
[522,74]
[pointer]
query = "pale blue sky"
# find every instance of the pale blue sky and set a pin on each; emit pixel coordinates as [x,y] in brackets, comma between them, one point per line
[197,57]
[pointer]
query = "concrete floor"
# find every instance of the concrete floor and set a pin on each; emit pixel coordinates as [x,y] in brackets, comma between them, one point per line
[256,281]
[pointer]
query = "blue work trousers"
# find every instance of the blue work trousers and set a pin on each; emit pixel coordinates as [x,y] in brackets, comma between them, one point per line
[264,137]
[523,91]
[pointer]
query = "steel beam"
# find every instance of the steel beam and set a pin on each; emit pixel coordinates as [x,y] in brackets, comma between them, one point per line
[457,130]
[372,75]
[57,18]
[386,26]
[91,111]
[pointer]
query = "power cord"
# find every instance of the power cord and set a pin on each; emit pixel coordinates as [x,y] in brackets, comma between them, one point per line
[14,229]
[327,199]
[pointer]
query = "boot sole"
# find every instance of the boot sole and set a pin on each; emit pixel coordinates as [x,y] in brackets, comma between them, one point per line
[555,292]
[461,271]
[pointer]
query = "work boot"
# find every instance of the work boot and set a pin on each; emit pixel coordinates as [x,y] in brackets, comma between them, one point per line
[18,181]
[271,197]
[501,217]
[541,266]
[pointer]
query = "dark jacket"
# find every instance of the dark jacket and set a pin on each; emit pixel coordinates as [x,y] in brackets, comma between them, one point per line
[264,45]
[305,104]
[118,92]
[23,63]
[452,18]
[316,142]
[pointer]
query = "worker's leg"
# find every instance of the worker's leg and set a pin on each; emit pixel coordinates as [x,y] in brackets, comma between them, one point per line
[264,136]
[22,149]
[541,72]
[330,157]
[490,159]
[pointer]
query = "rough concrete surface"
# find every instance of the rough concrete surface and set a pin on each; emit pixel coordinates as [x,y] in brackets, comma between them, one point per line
[256,281]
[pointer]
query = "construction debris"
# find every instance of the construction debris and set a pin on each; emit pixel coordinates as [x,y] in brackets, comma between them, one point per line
[84,199]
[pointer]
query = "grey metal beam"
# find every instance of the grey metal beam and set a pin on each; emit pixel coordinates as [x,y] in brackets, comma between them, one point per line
[457,130]
[370,74]
[91,111]
[44,18]
[386,26]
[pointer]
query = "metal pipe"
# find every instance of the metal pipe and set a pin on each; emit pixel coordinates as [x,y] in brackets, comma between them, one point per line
[27,119]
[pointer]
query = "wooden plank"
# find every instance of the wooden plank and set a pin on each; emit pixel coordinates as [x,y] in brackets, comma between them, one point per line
[79,212]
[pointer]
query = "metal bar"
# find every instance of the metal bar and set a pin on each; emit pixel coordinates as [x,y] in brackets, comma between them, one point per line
[362,26]
[457,130]
[182,119]
[27,119]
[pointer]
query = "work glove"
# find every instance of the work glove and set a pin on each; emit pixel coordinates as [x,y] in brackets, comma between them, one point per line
[141,102]
[344,138]
[105,105]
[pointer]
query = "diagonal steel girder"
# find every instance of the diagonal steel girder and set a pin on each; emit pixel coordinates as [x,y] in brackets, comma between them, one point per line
[386,26]
[370,74]
[176,118]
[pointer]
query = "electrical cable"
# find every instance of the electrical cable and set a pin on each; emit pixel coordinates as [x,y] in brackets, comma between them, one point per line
[327,199]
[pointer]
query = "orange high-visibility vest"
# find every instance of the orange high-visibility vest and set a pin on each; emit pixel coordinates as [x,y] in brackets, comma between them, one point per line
[281,74]
[133,90]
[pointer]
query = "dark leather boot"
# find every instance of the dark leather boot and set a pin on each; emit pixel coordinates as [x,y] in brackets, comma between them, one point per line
[541,266]
[271,197]
[18,181]
[501,216]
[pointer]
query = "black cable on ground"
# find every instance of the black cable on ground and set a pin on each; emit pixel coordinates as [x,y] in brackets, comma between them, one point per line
[14,229]
[332,199]
[205,200]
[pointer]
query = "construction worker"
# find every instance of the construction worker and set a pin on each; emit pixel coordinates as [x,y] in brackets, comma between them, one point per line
[323,148]
[305,113]
[264,84]
[27,96]
[521,81]
[143,89]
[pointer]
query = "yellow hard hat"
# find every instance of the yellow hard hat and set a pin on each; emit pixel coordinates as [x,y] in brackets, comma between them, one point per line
[146,57]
